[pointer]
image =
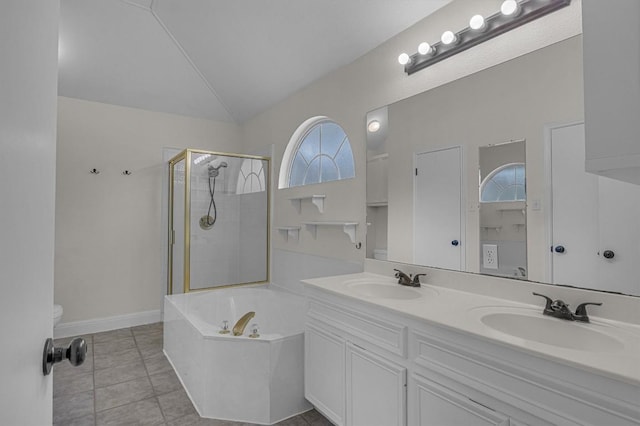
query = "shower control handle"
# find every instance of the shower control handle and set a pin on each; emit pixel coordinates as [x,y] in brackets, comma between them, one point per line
[76,353]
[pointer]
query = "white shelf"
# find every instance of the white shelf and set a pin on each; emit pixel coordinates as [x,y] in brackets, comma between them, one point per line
[317,200]
[289,232]
[349,228]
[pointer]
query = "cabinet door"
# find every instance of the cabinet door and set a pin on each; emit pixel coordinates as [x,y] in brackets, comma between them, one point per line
[324,373]
[376,390]
[436,405]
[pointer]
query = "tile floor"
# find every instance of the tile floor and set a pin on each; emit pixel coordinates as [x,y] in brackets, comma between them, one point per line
[127,380]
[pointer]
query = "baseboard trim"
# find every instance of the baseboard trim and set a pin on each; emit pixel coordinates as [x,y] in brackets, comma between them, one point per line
[77,328]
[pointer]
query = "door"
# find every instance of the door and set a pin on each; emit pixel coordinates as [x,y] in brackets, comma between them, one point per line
[28,89]
[574,209]
[437,209]
[437,405]
[376,390]
[606,255]
[324,372]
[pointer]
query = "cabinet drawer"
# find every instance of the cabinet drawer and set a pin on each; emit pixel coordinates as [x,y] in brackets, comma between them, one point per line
[385,334]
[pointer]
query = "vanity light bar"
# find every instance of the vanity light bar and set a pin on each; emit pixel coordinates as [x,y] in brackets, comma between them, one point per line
[494,25]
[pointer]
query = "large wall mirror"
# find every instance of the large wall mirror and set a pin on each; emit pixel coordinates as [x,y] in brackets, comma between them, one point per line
[486,175]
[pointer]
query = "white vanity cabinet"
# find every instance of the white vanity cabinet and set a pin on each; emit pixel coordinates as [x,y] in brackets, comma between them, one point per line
[436,405]
[611,39]
[324,372]
[367,364]
[349,375]
[376,389]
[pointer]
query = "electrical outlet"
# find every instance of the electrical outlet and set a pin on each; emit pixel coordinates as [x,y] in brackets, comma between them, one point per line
[490,256]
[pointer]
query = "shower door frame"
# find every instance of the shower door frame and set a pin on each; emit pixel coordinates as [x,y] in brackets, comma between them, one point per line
[186,155]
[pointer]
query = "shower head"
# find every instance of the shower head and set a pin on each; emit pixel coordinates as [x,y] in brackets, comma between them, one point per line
[214,170]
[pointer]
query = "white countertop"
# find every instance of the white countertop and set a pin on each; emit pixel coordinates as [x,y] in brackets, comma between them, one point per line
[462,311]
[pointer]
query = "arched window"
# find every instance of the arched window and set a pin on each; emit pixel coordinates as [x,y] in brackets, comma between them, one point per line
[251,177]
[319,151]
[506,183]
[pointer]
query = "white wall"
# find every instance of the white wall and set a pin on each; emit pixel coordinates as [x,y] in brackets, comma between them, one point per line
[109,255]
[371,81]
[28,86]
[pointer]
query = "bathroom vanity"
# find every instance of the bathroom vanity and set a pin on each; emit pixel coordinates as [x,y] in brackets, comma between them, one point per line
[377,353]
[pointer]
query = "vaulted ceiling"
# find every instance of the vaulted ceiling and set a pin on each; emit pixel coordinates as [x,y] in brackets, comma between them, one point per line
[223,60]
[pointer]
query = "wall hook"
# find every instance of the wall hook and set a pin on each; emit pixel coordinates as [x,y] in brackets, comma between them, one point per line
[359,245]
[127,173]
[94,171]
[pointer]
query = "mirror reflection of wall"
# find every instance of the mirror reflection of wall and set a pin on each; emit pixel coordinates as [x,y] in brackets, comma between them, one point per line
[503,229]
[377,184]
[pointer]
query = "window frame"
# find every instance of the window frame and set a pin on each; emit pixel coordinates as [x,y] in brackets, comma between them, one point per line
[296,140]
[497,170]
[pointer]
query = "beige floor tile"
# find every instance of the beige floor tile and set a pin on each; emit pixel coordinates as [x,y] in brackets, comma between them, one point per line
[176,404]
[68,407]
[146,412]
[119,374]
[123,393]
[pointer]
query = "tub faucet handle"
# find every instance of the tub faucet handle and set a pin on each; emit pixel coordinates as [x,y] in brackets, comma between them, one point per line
[254,331]
[225,327]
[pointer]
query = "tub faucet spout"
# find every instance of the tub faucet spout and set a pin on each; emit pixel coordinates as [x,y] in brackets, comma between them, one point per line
[238,329]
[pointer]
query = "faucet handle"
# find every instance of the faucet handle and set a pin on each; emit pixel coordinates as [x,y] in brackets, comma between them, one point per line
[548,299]
[582,308]
[416,278]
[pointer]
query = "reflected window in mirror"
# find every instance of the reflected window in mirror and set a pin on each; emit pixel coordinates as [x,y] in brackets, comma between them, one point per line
[319,151]
[506,183]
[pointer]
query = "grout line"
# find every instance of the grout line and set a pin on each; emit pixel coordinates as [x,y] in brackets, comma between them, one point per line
[155,394]
[93,369]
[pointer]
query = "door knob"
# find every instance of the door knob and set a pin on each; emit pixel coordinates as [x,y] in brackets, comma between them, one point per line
[559,249]
[76,353]
[455,243]
[608,254]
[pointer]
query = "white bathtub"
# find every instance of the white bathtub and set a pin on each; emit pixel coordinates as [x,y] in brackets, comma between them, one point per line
[257,380]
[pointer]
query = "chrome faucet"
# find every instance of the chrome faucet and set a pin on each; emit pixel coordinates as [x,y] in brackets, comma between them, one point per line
[408,280]
[238,329]
[558,309]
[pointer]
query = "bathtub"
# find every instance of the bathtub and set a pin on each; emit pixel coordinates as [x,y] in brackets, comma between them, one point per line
[257,380]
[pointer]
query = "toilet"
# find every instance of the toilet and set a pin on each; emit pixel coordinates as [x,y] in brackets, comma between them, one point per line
[57,314]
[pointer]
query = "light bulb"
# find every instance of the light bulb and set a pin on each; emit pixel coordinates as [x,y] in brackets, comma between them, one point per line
[373,126]
[424,48]
[510,8]
[476,22]
[448,37]
[404,59]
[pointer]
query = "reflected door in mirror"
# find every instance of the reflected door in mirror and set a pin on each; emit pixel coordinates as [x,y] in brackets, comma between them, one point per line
[437,215]
[606,257]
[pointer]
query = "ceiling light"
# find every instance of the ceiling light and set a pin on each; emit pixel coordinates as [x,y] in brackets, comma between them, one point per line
[373,126]
[448,37]
[424,48]
[404,59]
[510,8]
[477,22]
[512,14]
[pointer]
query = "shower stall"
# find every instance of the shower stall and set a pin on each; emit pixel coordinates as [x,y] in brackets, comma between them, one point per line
[218,220]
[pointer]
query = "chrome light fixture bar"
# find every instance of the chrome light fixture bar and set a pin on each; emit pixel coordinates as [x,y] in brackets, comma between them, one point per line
[525,11]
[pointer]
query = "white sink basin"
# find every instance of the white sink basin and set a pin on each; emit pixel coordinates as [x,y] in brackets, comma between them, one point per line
[371,288]
[532,325]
